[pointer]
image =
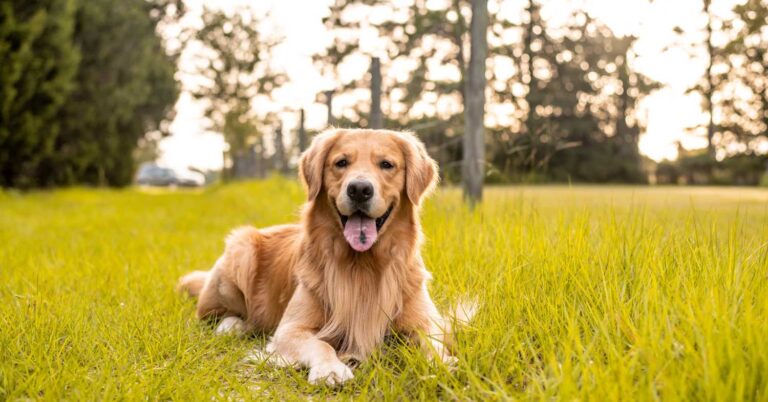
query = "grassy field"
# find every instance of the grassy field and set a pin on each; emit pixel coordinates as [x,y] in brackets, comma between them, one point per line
[594,293]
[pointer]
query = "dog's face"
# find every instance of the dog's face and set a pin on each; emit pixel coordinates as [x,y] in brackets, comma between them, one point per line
[366,175]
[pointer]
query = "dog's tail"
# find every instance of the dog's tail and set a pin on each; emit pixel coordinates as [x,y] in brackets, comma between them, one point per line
[192,283]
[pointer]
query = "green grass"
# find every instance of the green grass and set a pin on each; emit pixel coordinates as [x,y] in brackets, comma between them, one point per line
[596,293]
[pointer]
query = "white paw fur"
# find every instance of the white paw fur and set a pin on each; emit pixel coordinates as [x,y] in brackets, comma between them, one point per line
[331,373]
[451,362]
[231,326]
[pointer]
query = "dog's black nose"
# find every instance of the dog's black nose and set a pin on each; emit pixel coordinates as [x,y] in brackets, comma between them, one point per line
[360,191]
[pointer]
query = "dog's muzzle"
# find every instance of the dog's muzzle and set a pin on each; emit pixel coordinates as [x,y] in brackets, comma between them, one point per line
[360,230]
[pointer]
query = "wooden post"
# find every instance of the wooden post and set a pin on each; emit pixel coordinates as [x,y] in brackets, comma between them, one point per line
[303,143]
[280,164]
[225,173]
[375,119]
[261,163]
[329,104]
[474,113]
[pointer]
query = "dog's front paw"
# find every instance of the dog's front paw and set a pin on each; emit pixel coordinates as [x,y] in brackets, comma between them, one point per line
[331,373]
[448,361]
[451,362]
[231,326]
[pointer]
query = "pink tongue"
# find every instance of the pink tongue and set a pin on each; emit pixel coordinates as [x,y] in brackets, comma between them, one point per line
[360,232]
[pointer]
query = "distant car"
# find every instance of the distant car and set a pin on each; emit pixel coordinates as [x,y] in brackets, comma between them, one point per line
[153,175]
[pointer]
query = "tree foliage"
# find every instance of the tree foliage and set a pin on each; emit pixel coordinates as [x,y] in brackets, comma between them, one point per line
[236,76]
[104,80]
[579,108]
[39,63]
[564,101]
[733,87]
[745,107]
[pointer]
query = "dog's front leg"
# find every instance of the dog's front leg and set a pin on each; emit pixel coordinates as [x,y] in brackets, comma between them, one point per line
[422,321]
[296,342]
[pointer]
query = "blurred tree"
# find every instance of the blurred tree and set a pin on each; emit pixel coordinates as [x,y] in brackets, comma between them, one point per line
[523,148]
[237,73]
[562,105]
[166,15]
[344,43]
[600,119]
[631,88]
[576,97]
[39,62]
[125,89]
[711,83]
[423,51]
[734,94]
[745,108]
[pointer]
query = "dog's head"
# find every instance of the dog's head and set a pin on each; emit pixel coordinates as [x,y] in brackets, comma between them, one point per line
[366,176]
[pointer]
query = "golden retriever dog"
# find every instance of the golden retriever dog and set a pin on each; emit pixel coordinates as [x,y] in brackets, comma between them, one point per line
[332,286]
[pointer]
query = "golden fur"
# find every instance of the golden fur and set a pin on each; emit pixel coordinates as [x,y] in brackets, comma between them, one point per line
[322,299]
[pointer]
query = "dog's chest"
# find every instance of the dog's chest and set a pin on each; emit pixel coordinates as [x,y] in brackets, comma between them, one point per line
[360,306]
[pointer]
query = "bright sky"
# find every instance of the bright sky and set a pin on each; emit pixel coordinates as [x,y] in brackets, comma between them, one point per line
[668,112]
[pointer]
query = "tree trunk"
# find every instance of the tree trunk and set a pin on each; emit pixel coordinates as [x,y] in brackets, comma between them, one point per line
[532,123]
[376,119]
[280,162]
[710,90]
[261,162]
[458,38]
[226,172]
[474,105]
[303,143]
[623,131]
[329,104]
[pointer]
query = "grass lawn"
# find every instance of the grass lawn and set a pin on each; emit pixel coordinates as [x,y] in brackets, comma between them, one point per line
[598,293]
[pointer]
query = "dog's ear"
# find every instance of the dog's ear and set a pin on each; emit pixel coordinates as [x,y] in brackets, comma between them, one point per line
[421,174]
[312,162]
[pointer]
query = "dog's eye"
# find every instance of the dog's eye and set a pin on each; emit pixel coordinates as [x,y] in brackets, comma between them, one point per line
[341,163]
[386,165]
